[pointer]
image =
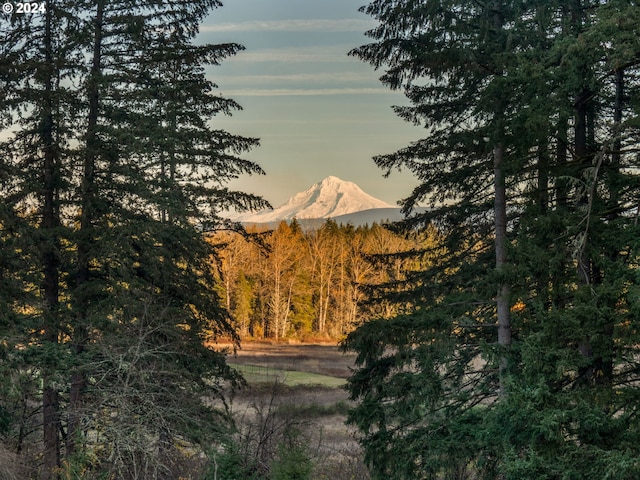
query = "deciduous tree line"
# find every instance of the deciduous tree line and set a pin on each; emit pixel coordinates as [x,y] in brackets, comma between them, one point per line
[518,355]
[312,283]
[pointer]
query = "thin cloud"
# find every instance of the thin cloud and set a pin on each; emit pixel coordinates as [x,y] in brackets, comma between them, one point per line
[326,77]
[295,55]
[282,92]
[315,25]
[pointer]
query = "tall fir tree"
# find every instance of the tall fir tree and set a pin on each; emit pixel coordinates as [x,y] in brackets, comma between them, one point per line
[37,106]
[114,174]
[525,110]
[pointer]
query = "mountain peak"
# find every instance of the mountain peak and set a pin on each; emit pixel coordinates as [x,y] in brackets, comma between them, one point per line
[331,179]
[328,198]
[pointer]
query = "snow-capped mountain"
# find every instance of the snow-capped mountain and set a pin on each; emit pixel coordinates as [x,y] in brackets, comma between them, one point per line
[329,198]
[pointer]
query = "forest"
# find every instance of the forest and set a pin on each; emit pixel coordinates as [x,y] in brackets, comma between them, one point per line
[313,284]
[496,333]
[112,173]
[516,354]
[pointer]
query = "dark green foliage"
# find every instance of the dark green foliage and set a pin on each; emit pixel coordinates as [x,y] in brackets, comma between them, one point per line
[112,174]
[231,464]
[553,86]
[269,444]
[292,461]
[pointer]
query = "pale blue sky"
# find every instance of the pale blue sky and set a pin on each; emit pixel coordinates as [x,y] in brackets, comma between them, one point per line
[317,111]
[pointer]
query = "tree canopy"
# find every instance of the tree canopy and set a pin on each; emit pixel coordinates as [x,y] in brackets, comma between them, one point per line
[515,355]
[112,172]
[314,283]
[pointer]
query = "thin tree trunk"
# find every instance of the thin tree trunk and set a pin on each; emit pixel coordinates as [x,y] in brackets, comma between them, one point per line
[502,298]
[604,363]
[503,313]
[543,177]
[584,261]
[581,147]
[582,154]
[285,320]
[85,240]
[561,162]
[617,122]
[50,262]
[542,278]
[561,199]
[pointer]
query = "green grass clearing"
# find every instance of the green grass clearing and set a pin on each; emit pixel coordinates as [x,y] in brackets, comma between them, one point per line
[291,378]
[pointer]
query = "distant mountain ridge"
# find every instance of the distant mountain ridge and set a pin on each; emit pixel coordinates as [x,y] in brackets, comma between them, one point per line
[330,198]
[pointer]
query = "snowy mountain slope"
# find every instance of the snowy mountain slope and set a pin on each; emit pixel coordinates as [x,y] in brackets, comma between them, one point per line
[329,198]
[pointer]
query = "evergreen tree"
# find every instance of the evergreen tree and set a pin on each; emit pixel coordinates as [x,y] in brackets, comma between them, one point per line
[38,106]
[526,112]
[114,174]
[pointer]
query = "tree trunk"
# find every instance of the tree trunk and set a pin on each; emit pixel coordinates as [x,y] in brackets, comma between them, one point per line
[502,298]
[561,162]
[85,240]
[582,109]
[50,261]
[503,314]
[582,153]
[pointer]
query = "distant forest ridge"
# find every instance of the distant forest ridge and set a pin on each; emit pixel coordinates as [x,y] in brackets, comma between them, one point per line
[381,216]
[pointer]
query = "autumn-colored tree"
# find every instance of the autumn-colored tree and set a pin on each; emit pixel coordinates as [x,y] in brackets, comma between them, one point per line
[297,283]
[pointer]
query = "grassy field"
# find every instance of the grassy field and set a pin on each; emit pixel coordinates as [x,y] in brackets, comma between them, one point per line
[323,359]
[255,374]
[299,386]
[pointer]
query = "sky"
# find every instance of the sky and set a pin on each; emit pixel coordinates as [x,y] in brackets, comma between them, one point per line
[317,111]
